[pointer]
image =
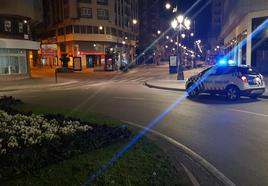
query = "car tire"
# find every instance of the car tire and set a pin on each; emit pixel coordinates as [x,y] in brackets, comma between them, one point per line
[192,93]
[232,93]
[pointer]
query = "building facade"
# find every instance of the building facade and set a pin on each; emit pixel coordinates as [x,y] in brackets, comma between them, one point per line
[90,30]
[241,19]
[17,48]
[150,21]
[216,23]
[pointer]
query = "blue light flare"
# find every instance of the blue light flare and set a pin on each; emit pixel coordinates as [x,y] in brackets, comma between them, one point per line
[171,107]
[231,62]
[136,139]
[222,62]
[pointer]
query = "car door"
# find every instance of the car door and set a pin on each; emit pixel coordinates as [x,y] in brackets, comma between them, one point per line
[209,78]
[223,77]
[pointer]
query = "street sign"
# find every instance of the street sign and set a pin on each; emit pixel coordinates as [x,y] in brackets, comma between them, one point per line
[172,61]
[77,64]
[173,64]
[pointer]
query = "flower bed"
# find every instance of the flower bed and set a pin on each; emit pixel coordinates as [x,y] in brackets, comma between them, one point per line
[29,142]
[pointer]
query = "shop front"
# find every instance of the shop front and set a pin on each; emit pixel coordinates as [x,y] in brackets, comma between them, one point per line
[97,56]
[49,55]
[14,60]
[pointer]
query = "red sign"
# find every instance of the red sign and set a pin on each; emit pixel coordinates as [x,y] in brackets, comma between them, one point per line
[49,50]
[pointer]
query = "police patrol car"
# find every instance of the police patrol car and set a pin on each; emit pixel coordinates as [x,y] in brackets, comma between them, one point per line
[230,80]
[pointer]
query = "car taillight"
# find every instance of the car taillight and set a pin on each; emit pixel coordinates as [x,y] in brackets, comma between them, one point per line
[244,79]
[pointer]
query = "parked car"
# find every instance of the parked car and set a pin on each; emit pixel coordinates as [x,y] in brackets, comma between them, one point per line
[232,81]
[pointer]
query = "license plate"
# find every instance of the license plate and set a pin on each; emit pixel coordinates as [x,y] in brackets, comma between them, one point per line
[256,91]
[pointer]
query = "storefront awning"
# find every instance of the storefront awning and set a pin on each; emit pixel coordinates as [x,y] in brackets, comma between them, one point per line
[19,44]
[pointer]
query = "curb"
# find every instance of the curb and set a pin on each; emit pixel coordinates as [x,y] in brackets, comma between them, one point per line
[180,90]
[204,172]
[163,88]
[40,86]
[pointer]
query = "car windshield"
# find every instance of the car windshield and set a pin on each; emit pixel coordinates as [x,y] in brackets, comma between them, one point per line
[204,71]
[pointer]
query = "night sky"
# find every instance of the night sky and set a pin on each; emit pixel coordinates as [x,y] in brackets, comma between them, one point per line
[202,20]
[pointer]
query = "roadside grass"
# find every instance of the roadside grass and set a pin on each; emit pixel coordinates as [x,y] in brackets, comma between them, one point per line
[144,164]
[89,117]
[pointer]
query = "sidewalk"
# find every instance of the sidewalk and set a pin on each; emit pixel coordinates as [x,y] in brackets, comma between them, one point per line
[44,79]
[176,85]
[170,82]
[31,84]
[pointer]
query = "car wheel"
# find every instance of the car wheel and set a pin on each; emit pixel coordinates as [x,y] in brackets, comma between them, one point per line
[232,93]
[192,93]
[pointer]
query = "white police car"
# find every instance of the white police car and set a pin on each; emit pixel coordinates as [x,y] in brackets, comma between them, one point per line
[230,80]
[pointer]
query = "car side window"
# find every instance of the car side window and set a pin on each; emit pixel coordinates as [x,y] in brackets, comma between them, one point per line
[225,70]
[220,71]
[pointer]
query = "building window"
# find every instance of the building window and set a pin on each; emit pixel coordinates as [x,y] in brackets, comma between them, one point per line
[69,29]
[20,25]
[108,30]
[114,32]
[13,61]
[86,12]
[76,29]
[84,1]
[83,29]
[102,2]
[7,26]
[120,33]
[95,30]
[66,12]
[126,22]
[89,29]
[61,32]
[103,14]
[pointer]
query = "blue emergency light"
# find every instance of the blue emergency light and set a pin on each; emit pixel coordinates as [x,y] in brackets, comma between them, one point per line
[222,62]
[225,62]
[231,62]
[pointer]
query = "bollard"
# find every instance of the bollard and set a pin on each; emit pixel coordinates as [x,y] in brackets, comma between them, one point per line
[56,76]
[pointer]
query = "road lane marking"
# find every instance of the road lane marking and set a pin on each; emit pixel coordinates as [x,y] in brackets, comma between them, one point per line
[190,175]
[248,112]
[129,98]
[199,159]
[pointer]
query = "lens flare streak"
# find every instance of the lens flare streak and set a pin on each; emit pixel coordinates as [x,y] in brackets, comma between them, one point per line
[171,107]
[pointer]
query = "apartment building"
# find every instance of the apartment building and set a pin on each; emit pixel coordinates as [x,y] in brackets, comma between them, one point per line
[241,19]
[17,48]
[103,33]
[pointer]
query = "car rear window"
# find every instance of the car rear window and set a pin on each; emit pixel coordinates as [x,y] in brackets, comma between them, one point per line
[248,71]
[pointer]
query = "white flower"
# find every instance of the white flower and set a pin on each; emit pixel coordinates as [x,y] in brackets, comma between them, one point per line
[3,151]
[12,142]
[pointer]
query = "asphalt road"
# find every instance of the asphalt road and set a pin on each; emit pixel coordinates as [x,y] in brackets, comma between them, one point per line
[231,136]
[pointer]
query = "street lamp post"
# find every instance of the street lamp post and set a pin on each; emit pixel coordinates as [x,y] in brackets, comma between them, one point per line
[180,75]
[177,24]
